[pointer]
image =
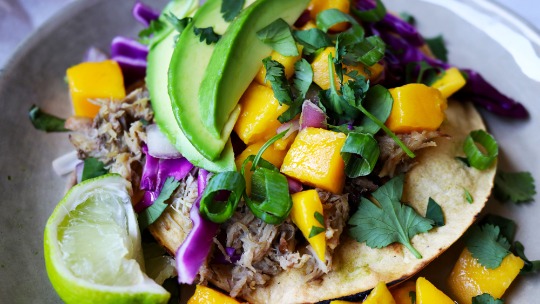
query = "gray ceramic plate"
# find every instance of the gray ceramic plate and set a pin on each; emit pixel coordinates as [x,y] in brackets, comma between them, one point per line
[480,35]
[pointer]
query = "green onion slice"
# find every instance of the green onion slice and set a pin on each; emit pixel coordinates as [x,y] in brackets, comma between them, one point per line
[272,140]
[216,210]
[373,15]
[360,154]
[477,158]
[270,199]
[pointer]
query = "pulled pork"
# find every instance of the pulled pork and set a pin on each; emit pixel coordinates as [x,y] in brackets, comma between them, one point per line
[266,250]
[394,159]
[116,134]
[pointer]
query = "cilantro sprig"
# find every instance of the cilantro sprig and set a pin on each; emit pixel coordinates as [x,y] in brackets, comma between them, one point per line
[231,8]
[488,245]
[514,187]
[486,298]
[207,34]
[392,222]
[278,35]
[152,213]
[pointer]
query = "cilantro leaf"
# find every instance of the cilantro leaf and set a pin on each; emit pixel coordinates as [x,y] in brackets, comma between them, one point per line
[46,122]
[530,266]
[487,245]
[507,226]
[315,231]
[438,48]
[319,217]
[231,8]
[393,222]
[312,39]
[303,77]
[152,213]
[155,26]
[207,34]
[412,296]
[294,109]
[434,212]
[93,168]
[275,73]
[378,102]
[468,196]
[515,187]
[486,298]
[278,35]
[178,24]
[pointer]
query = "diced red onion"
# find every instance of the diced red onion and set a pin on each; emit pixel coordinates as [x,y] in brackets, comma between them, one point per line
[144,13]
[158,144]
[66,163]
[202,181]
[94,54]
[292,126]
[79,171]
[303,19]
[294,185]
[312,116]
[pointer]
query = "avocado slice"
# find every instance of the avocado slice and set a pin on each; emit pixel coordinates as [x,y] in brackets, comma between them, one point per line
[158,59]
[189,61]
[180,9]
[237,59]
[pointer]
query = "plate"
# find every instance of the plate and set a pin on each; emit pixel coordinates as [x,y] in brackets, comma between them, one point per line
[479,35]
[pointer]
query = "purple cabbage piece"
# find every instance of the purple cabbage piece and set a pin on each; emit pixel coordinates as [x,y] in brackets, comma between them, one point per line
[294,185]
[193,252]
[131,56]
[144,13]
[202,181]
[232,256]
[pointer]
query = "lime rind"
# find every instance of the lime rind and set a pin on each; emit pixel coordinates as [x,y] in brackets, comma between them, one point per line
[73,289]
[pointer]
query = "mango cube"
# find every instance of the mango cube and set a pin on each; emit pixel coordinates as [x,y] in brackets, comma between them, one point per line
[260,111]
[305,205]
[317,6]
[379,295]
[417,107]
[271,154]
[427,293]
[285,143]
[287,62]
[93,80]
[402,292]
[314,159]
[321,74]
[450,82]
[207,295]
[469,278]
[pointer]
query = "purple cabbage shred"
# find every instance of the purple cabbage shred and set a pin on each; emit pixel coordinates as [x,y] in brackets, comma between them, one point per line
[144,13]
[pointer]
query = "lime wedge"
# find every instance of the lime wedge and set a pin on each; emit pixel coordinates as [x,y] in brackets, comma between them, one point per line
[93,247]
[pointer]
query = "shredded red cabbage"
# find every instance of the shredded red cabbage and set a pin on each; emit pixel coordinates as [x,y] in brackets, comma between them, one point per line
[131,56]
[144,13]
[191,255]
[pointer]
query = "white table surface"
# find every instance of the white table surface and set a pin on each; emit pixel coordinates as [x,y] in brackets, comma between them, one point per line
[18,18]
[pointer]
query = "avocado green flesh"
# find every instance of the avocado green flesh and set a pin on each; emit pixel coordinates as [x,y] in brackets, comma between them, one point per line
[180,9]
[237,59]
[189,61]
[156,81]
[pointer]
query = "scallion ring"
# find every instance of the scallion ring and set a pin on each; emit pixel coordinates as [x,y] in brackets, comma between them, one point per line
[477,158]
[360,154]
[215,209]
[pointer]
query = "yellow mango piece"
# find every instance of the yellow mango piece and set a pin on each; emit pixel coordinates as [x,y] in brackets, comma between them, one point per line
[287,62]
[271,154]
[260,111]
[402,292]
[93,80]
[317,6]
[314,159]
[469,278]
[416,107]
[207,295]
[309,25]
[305,205]
[321,75]
[342,302]
[285,143]
[427,293]
[450,82]
[379,295]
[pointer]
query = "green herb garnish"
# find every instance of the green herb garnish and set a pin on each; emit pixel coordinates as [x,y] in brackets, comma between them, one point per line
[486,298]
[207,34]
[46,122]
[468,196]
[212,207]
[275,73]
[514,187]
[373,15]
[360,154]
[278,35]
[437,46]
[530,266]
[434,212]
[93,168]
[312,40]
[315,231]
[231,8]
[487,245]
[152,213]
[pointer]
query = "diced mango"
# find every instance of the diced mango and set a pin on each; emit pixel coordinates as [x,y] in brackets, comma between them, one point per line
[207,295]
[379,295]
[317,6]
[450,82]
[285,143]
[314,159]
[287,62]
[93,80]
[305,205]
[260,111]
[469,278]
[402,293]
[342,302]
[321,75]
[427,293]
[309,25]
[417,107]
[271,154]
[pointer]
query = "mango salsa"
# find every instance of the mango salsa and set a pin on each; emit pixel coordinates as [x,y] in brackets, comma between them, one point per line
[314,159]
[379,295]
[427,293]
[207,295]
[287,62]
[417,107]
[271,154]
[93,80]
[469,278]
[260,111]
[285,143]
[450,82]
[402,292]
[305,205]
[317,6]
[321,74]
